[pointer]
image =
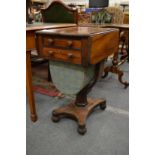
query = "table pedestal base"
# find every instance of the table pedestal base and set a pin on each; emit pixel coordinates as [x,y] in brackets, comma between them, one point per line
[81,107]
[77,113]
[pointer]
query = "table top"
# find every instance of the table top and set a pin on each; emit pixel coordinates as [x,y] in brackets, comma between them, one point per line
[124,26]
[40,26]
[77,31]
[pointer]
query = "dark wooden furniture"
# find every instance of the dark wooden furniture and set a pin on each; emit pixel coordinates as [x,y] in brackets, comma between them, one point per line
[30,45]
[114,68]
[58,12]
[126,34]
[83,46]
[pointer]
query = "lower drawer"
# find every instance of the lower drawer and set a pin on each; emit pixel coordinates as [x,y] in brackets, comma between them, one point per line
[62,55]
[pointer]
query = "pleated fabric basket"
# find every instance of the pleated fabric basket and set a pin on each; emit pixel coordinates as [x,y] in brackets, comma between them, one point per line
[70,78]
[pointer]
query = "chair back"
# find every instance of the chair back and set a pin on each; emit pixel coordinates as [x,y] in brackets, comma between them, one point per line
[58,12]
[108,15]
[118,15]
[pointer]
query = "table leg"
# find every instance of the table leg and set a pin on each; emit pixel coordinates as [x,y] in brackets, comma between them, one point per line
[126,42]
[128,47]
[32,107]
[114,69]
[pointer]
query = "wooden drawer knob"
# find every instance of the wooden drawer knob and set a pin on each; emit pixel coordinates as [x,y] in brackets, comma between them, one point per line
[50,41]
[70,55]
[50,53]
[69,43]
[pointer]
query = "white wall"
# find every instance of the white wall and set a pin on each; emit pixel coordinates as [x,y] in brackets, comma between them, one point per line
[111,2]
[115,2]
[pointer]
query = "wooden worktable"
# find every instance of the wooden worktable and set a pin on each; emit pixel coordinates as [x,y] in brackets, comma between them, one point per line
[77,48]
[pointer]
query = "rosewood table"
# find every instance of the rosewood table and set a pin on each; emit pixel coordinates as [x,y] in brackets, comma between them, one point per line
[30,45]
[76,55]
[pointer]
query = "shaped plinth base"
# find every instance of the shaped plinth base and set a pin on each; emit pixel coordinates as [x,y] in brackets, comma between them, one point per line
[78,113]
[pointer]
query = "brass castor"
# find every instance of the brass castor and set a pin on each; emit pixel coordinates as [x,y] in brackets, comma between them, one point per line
[103,105]
[55,118]
[82,129]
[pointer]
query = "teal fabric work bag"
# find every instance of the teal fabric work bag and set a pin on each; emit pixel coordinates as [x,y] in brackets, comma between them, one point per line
[70,78]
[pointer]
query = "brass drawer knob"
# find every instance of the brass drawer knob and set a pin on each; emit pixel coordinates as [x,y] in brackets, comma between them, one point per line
[50,53]
[70,55]
[70,43]
[50,41]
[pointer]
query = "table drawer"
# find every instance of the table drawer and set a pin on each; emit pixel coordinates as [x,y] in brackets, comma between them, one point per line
[62,55]
[61,43]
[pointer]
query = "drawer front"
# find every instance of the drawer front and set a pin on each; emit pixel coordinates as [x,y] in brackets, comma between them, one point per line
[61,43]
[62,55]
